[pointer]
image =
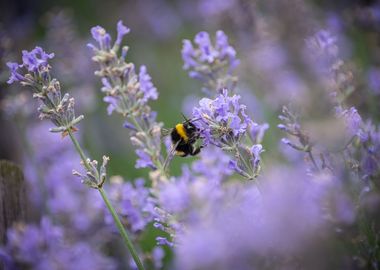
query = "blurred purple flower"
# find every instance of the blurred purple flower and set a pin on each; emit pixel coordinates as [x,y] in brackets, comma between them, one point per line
[112,103]
[102,37]
[47,247]
[163,241]
[132,202]
[212,64]
[352,120]
[188,54]
[373,77]
[256,151]
[257,132]
[158,255]
[233,165]
[225,50]
[144,160]
[15,76]
[248,228]
[52,185]
[208,54]
[174,197]
[213,165]
[370,138]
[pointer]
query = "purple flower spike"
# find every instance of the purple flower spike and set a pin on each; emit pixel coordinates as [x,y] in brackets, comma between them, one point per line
[122,30]
[224,111]
[146,85]
[211,63]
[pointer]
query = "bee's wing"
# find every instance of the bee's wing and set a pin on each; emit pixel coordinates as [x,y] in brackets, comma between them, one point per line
[165,132]
[171,154]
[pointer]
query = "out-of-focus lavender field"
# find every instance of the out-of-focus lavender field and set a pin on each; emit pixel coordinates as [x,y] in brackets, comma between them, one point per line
[285,100]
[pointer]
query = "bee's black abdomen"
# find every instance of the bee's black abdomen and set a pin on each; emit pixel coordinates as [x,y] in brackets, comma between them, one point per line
[175,136]
[185,149]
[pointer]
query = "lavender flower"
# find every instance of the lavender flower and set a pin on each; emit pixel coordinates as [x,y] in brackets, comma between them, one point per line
[352,120]
[224,123]
[257,132]
[336,76]
[102,37]
[157,257]
[133,202]
[36,60]
[212,64]
[52,187]
[15,76]
[128,93]
[247,229]
[370,139]
[213,164]
[373,78]
[46,247]
[94,177]
[184,200]
[60,110]
[122,30]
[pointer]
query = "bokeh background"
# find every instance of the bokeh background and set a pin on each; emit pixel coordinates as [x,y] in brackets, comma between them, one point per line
[268,35]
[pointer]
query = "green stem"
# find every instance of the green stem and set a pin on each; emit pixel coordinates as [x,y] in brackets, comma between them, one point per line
[116,218]
[122,231]
[313,160]
[79,150]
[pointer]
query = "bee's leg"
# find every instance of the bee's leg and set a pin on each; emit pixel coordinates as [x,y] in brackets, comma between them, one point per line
[171,154]
[195,151]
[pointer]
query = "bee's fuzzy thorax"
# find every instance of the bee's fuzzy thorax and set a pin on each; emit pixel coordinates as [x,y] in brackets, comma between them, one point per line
[182,132]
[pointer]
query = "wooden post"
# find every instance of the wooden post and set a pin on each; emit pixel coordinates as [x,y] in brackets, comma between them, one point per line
[12,197]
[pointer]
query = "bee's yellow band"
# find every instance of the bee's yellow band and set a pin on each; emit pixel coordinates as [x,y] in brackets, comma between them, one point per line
[182,132]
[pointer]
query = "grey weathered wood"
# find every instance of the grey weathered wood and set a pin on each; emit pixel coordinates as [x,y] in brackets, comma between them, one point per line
[12,196]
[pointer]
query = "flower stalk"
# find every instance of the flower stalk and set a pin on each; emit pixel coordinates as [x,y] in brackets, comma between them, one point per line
[60,110]
[110,208]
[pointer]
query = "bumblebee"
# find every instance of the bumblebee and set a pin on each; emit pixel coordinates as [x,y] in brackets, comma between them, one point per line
[184,136]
